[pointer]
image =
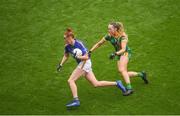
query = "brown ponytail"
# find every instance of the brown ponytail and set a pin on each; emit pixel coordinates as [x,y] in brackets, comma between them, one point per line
[69,32]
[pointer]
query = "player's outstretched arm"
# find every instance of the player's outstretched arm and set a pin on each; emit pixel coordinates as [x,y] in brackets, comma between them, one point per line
[98,44]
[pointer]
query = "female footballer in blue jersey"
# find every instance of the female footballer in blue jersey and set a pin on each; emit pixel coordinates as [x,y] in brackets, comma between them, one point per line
[83,68]
[118,38]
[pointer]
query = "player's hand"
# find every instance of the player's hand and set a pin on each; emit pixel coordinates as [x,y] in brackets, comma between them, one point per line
[89,53]
[59,67]
[112,56]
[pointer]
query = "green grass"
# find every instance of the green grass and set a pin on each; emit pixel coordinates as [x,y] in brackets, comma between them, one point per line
[31,44]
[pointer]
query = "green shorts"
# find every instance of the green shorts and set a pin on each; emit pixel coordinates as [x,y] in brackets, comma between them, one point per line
[128,54]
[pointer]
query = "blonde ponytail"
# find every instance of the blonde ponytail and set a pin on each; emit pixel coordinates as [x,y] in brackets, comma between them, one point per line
[120,27]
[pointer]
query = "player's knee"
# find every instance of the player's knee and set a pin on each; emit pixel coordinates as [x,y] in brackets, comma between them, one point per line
[96,84]
[70,81]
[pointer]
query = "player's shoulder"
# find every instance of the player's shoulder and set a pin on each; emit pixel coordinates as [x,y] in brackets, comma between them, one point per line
[107,37]
[78,42]
[124,35]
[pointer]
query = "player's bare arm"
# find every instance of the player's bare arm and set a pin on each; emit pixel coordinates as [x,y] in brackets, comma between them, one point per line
[98,44]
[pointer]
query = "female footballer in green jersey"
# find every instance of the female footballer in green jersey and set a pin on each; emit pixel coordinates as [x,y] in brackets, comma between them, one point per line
[118,38]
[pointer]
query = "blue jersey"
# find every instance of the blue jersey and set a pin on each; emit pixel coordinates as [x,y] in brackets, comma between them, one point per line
[77,44]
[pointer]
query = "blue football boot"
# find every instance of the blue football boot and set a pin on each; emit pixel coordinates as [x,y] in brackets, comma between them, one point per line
[74,103]
[123,89]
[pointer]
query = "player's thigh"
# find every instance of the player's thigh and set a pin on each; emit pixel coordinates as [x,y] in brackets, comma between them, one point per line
[77,73]
[91,77]
[122,63]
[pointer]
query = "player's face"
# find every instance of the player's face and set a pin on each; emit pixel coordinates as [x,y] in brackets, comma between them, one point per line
[111,30]
[68,40]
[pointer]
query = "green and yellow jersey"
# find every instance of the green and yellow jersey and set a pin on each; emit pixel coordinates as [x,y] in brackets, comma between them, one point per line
[116,42]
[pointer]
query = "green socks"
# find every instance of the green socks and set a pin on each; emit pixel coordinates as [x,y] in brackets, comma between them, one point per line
[140,74]
[128,86]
